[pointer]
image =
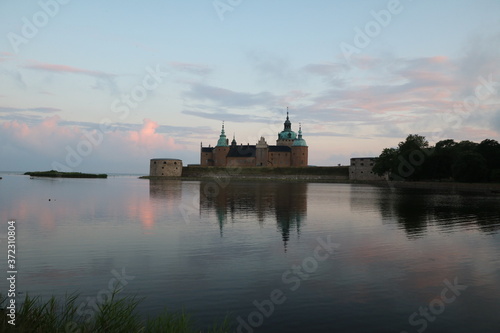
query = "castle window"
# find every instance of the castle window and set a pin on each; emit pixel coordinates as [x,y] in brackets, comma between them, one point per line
[175,162]
[163,167]
[154,162]
[362,164]
[164,162]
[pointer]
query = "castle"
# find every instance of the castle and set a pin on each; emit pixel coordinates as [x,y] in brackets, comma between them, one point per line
[290,150]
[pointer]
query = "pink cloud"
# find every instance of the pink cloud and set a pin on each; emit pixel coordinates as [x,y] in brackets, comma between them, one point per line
[55,68]
[51,140]
[147,138]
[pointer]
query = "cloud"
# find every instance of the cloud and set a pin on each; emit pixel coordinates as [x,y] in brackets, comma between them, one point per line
[195,69]
[232,117]
[55,68]
[331,73]
[6,56]
[15,76]
[39,145]
[36,109]
[103,80]
[229,98]
[272,68]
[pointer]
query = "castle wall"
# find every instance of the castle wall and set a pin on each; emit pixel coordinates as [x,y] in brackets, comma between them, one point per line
[241,161]
[165,167]
[300,156]
[220,156]
[262,156]
[279,159]
[361,169]
[206,158]
[284,142]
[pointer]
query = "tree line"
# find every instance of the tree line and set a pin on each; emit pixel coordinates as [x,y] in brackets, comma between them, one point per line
[464,161]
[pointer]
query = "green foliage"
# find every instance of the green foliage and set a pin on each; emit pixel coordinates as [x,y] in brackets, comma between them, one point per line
[463,161]
[470,167]
[386,162]
[114,316]
[405,161]
[54,173]
[495,175]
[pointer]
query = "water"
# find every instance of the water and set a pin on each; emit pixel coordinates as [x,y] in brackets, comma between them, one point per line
[239,246]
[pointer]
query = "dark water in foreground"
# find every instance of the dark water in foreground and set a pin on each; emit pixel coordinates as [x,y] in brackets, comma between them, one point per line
[281,257]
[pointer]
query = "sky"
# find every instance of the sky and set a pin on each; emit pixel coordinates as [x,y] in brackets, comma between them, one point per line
[104,86]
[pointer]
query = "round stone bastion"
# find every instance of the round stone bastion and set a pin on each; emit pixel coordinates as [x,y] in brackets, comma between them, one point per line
[165,167]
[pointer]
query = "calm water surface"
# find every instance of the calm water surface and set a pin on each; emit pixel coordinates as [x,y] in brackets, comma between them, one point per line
[398,260]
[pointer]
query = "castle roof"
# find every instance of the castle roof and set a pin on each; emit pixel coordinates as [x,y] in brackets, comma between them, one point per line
[222,138]
[242,151]
[299,141]
[278,149]
[287,133]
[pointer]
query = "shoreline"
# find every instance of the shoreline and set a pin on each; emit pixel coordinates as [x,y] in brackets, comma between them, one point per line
[492,188]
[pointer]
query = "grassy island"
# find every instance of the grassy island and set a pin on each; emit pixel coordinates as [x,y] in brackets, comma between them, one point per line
[54,173]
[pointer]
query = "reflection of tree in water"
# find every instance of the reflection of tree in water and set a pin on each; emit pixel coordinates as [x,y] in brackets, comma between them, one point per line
[286,202]
[415,209]
[469,210]
[412,212]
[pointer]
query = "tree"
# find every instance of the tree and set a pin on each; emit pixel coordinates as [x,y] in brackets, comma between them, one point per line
[386,161]
[411,157]
[470,167]
[490,150]
[438,165]
[412,142]
[405,161]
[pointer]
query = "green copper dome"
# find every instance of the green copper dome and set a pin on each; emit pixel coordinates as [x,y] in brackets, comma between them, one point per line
[222,138]
[287,133]
[299,141]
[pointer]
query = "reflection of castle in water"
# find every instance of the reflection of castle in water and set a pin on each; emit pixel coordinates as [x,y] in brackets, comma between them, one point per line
[286,203]
[166,189]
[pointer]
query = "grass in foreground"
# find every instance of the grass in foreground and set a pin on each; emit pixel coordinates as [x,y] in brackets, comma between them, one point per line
[54,173]
[113,316]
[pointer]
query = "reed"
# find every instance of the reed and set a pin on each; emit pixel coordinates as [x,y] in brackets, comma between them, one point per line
[116,315]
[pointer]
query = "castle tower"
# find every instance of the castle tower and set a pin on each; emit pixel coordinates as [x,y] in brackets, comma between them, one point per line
[300,151]
[261,154]
[221,149]
[287,136]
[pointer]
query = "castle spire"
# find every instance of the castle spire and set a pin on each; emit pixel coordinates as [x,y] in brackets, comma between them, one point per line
[222,142]
[299,141]
[288,124]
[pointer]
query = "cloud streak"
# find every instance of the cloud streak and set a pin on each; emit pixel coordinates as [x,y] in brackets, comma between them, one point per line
[4,109]
[64,69]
